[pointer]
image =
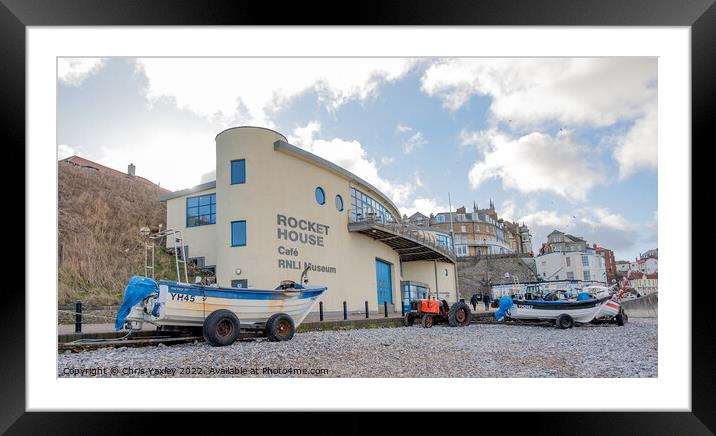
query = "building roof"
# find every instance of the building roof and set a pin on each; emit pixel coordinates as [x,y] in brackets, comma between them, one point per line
[321,162]
[198,188]
[417,215]
[86,163]
[641,275]
[284,146]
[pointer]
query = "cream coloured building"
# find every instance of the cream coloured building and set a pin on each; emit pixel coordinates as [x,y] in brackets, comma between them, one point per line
[275,208]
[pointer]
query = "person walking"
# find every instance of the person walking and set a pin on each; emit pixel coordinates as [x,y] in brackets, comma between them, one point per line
[486,300]
[473,301]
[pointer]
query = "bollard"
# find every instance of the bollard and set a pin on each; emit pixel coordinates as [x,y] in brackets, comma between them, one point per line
[385,308]
[366,310]
[402,309]
[78,317]
[345,311]
[320,310]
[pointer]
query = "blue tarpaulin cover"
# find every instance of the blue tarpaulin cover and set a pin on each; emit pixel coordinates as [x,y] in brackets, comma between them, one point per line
[582,296]
[505,304]
[137,290]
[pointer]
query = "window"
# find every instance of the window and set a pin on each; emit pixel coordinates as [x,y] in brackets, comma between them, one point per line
[569,261]
[587,275]
[238,233]
[585,261]
[463,229]
[241,283]
[365,206]
[320,196]
[201,210]
[570,275]
[238,171]
[339,203]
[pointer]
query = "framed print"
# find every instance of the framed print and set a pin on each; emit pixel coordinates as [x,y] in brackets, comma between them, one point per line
[421,208]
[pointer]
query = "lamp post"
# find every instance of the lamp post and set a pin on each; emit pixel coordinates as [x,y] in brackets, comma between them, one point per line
[487,257]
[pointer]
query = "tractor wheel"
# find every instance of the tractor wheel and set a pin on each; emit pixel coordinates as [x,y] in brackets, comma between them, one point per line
[408,320]
[564,321]
[459,315]
[280,327]
[221,328]
[427,321]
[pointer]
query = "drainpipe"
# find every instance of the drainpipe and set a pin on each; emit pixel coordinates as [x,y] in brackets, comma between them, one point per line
[437,288]
[452,241]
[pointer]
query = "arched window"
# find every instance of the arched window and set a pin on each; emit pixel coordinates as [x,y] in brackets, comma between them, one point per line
[320,196]
[339,203]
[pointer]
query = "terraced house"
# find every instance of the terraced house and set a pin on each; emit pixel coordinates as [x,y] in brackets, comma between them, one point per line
[481,232]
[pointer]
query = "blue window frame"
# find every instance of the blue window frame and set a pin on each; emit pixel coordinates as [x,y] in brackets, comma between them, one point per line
[238,171]
[362,205]
[320,195]
[585,260]
[201,210]
[238,233]
[339,203]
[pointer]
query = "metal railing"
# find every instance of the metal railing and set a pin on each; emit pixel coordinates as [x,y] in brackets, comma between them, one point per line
[373,217]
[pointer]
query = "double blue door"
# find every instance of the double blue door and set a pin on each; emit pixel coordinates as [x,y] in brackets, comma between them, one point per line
[385,282]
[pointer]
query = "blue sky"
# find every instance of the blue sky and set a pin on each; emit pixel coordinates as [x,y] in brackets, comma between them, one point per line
[566,144]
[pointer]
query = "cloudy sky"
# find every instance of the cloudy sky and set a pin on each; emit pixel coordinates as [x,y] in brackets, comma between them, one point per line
[568,144]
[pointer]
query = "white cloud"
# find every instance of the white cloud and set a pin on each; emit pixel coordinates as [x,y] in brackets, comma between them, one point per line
[549,219]
[257,87]
[426,206]
[351,155]
[65,151]
[387,160]
[193,156]
[73,71]
[637,149]
[508,210]
[590,91]
[535,162]
[415,141]
[596,225]
[602,217]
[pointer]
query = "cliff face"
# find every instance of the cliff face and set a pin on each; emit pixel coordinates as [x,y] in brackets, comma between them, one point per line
[99,217]
[471,271]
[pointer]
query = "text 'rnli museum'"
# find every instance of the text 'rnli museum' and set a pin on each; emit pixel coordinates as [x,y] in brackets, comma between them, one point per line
[275,208]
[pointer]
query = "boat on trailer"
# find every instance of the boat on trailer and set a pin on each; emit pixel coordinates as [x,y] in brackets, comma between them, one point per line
[564,313]
[221,313]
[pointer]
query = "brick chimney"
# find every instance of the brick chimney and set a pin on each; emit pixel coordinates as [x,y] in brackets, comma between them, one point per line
[130,169]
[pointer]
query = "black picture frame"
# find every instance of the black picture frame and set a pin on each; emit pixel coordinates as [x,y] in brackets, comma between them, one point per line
[16,15]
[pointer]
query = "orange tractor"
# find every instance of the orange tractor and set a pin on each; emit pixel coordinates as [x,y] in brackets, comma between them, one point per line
[432,311]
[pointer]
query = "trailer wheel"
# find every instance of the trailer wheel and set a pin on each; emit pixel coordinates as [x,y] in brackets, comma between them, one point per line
[564,321]
[221,328]
[620,318]
[408,320]
[459,315]
[280,327]
[427,321]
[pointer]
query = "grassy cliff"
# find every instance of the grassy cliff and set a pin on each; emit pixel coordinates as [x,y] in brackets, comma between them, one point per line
[100,248]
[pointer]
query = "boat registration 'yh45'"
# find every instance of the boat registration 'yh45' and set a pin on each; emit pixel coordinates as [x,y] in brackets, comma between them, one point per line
[221,313]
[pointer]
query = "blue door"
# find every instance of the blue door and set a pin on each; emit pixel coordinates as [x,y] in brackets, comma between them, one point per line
[385,282]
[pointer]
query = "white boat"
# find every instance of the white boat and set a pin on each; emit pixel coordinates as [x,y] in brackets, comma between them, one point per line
[221,312]
[563,312]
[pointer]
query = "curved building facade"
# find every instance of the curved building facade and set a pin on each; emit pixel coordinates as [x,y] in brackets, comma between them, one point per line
[275,208]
